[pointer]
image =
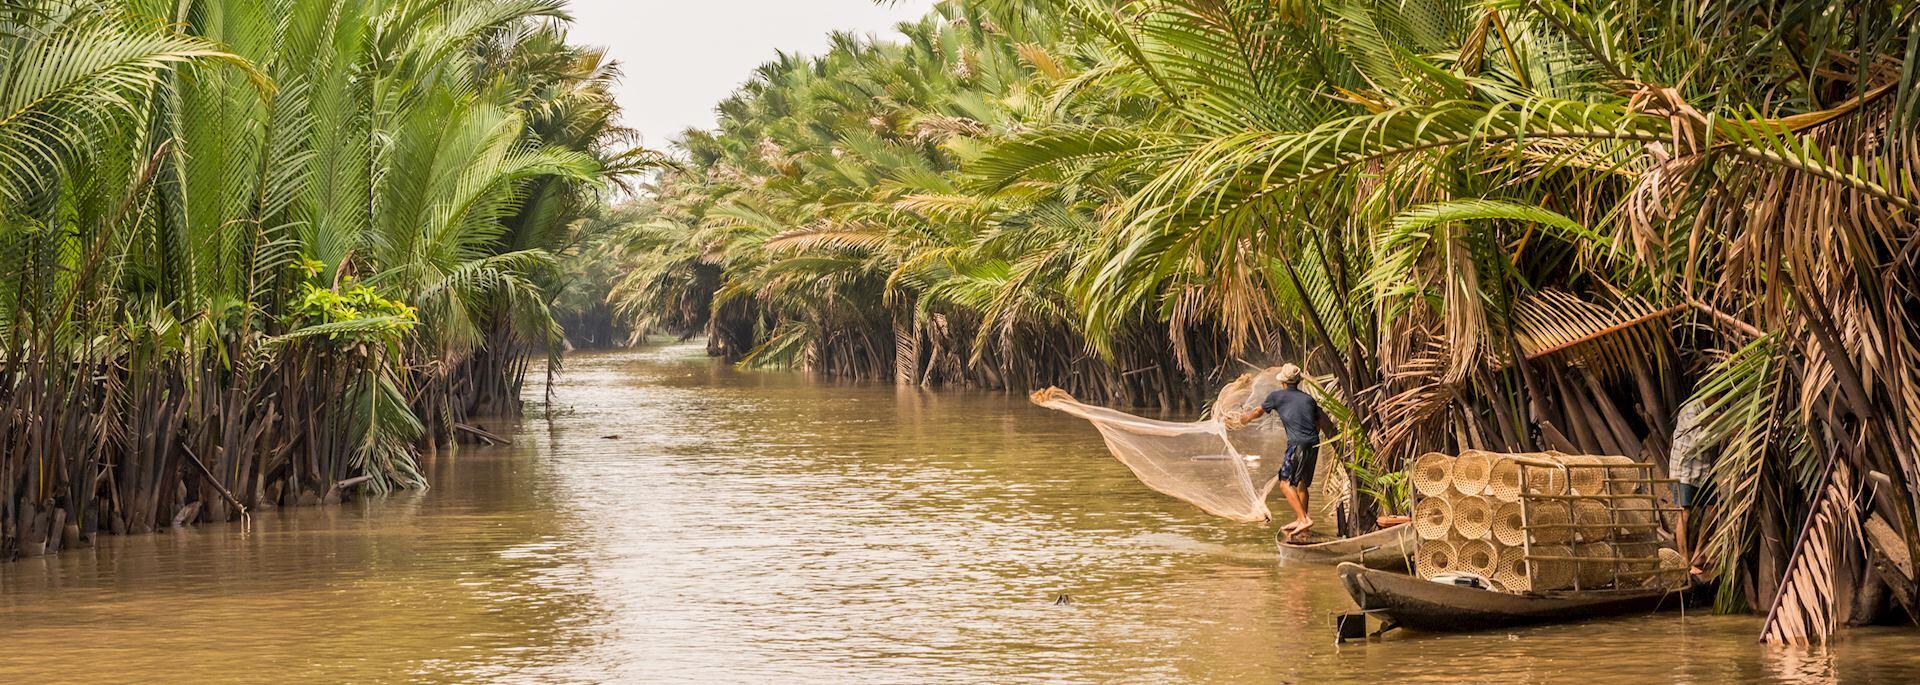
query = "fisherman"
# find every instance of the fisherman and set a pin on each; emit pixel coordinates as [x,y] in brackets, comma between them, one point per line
[1302,417]
[1690,464]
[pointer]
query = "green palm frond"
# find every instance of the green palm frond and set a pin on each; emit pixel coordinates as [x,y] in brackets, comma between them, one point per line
[65,84]
[1021,157]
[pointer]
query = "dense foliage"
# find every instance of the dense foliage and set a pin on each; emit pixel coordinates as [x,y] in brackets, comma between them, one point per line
[263,252]
[1510,224]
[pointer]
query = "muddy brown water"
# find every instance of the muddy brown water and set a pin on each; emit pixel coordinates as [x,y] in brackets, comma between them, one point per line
[763,527]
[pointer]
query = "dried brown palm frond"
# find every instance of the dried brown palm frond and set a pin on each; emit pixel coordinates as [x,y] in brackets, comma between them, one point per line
[1231,294]
[1804,607]
[1421,407]
[939,128]
[1554,323]
[1041,60]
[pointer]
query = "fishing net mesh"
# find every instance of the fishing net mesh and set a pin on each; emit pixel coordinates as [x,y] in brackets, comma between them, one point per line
[1198,462]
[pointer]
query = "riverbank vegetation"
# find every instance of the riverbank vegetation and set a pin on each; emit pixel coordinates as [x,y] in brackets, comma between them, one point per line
[1515,225]
[259,253]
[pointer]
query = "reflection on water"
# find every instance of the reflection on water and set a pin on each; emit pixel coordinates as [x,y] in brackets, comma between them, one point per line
[673,519]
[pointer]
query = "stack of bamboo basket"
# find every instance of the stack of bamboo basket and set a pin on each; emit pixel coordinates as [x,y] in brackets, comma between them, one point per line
[1541,521]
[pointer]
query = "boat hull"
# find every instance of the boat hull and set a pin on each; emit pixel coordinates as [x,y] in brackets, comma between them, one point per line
[1386,549]
[1424,605]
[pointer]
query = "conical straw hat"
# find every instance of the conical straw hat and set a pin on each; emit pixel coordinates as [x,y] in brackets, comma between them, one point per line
[1503,481]
[1586,481]
[1432,518]
[1595,574]
[1548,524]
[1472,517]
[1477,557]
[1509,526]
[1432,474]
[1470,471]
[1510,570]
[1433,558]
[1552,575]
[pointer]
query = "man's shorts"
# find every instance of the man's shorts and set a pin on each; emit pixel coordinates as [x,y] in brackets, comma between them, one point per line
[1297,470]
[1688,496]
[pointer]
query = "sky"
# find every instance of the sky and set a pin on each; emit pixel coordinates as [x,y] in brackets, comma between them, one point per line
[682,57]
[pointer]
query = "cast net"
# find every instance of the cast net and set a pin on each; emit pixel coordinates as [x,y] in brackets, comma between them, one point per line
[1265,438]
[1199,462]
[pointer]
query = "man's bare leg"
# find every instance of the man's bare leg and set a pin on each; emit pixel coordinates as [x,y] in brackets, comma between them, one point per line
[1298,500]
[1286,492]
[1687,549]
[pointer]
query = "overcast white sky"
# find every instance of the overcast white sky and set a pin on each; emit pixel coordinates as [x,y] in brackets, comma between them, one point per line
[682,57]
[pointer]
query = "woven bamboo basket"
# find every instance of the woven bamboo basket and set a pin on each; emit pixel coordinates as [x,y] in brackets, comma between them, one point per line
[1433,518]
[1503,480]
[1546,481]
[1510,570]
[1586,481]
[1432,474]
[1433,558]
[1645,556]
[1625,479]
[1673,570]
[1553,575]
[1595,574]
[1638,510]
[1548,523]
[1478,557]
[1472,517]
[1588,513]
[1543,456]
[1509,525]
[1470,471]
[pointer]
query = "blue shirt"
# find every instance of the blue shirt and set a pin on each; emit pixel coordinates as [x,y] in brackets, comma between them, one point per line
[1297,411]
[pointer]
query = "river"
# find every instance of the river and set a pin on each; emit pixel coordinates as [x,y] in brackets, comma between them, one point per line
[669,518]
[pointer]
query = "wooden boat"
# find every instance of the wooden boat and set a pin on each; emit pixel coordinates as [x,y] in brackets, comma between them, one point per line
[1409,602]
[1387,549]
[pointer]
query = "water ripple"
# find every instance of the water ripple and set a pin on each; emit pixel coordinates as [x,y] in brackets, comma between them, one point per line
[672,519]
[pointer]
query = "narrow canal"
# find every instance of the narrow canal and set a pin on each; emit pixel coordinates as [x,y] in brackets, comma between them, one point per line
[670,518]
